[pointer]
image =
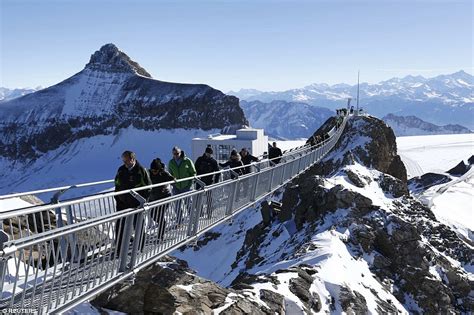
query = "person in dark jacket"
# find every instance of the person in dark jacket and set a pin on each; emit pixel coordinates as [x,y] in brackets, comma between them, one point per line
[274,153]
[129,176]
[247,158]
[158,174]
[234,161]
[207,164]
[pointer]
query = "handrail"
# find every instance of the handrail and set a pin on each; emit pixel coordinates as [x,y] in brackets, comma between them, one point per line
[32,209]
[109,181]
[122,192]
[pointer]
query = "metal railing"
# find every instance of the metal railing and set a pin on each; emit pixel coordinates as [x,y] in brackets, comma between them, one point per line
[56,256]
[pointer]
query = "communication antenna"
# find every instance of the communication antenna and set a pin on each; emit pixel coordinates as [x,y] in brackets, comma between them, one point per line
[358,75]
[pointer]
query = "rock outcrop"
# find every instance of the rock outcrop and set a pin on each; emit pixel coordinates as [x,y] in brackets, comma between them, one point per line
[170,287]
[367,140]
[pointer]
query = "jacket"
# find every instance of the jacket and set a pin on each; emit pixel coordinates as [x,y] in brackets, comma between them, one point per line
[126,179]
[206,165]
[273,153]
[247,160]
[160,192]
[232,163]
[184,169]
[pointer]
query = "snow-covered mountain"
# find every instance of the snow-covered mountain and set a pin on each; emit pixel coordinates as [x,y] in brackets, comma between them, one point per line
[442,99]
[285,120]
[414,126]
[344,237]
[9,94]
[71,131]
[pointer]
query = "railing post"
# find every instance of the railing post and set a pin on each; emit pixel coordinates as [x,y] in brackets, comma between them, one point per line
[3,260]
[195,214]
[125,240]
[127,233]
[139,234]
[232,197]
[253,193]
[271,181]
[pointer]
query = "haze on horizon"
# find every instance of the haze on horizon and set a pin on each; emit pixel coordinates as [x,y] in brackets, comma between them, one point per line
[266,45]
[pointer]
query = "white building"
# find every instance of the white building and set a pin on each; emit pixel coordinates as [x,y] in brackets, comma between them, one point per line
[253,139]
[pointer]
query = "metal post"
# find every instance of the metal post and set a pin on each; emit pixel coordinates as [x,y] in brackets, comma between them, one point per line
[231,197]
[138,235]
[253,193]
[126,236]
[196,214]
[3,260]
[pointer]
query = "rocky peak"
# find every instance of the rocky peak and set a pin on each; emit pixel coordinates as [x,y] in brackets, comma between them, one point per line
[109,58]
[368,141]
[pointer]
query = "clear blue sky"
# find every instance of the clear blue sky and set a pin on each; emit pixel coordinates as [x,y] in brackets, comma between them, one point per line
[268,45]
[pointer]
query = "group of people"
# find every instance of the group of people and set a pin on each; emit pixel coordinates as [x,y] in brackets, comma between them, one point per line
[133,175]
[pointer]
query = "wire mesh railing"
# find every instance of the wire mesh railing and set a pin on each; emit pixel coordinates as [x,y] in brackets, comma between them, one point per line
[58,255]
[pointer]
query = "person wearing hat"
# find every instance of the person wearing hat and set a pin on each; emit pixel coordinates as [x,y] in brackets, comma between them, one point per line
[158,174]
[207,164]
[233,162]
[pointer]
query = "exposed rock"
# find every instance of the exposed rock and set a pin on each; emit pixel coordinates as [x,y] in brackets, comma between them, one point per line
[170,288]
[300,286]
[370,141]
[425,181]
[459,169]
[471,160]
[393,186]
[275,301]
[353,302]
[355,179]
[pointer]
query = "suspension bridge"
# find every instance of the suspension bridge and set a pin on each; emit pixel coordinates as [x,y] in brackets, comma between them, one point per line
[58,255]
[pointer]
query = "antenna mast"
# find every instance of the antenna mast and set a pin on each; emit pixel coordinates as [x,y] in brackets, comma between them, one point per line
[358,75]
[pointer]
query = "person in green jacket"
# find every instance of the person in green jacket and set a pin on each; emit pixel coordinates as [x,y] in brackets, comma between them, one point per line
[180,166]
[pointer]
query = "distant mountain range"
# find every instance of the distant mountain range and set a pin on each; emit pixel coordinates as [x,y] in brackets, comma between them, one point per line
[9,94]
[285,120]
[444,99]
[413,126]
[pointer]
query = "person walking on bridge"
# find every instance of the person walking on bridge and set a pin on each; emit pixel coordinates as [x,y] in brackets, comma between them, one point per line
[180,166]
[129,176]
[247,158]
[275,153]
[158,174]
[206,164]
[233,162]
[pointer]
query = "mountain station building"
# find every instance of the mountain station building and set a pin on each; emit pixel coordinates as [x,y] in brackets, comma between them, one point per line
[253,139]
